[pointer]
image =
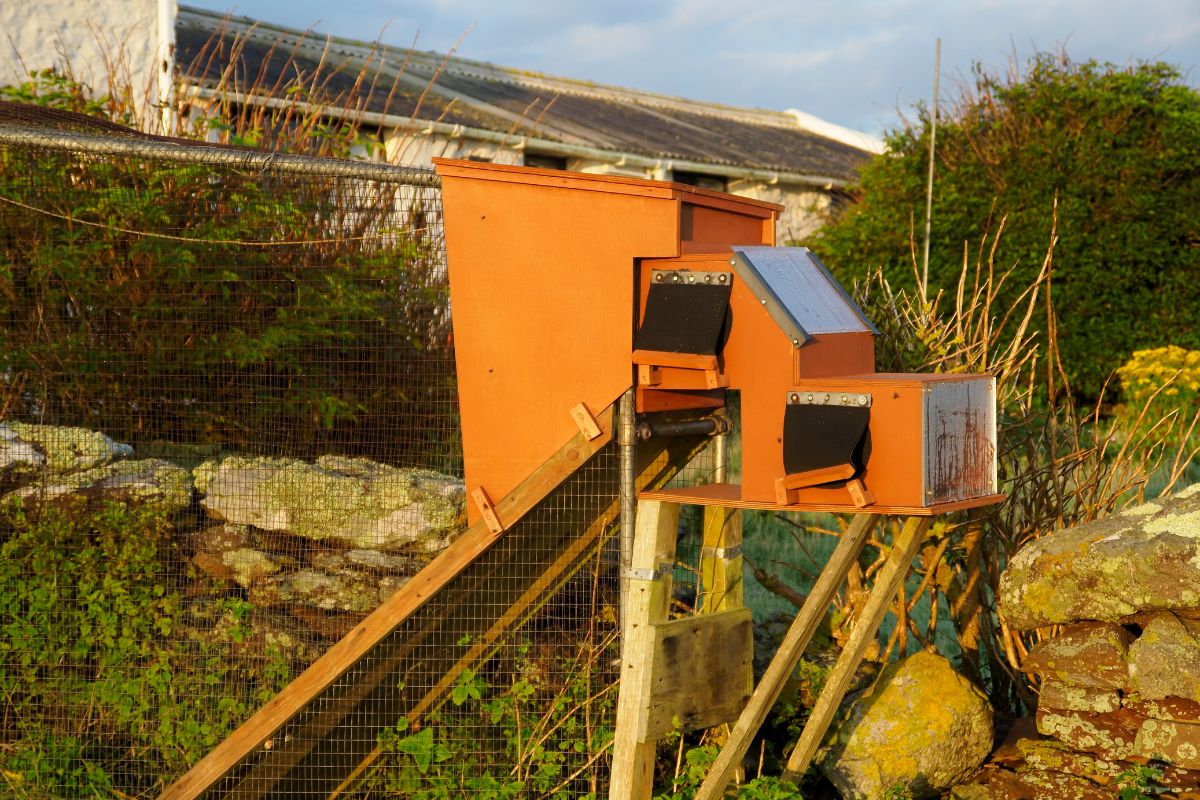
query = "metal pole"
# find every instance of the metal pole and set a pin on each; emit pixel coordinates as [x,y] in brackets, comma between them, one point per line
[937,71]
[721,458]
[627,445]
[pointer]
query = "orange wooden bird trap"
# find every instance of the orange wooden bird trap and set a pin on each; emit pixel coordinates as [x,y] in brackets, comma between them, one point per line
[574,296]
[567,289]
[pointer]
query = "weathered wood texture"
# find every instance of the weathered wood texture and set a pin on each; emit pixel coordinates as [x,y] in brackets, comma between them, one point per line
[647,605]
[721,585]
[701,673]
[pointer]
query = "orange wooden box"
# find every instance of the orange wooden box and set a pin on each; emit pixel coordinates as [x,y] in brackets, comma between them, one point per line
[763,361]
[931,438]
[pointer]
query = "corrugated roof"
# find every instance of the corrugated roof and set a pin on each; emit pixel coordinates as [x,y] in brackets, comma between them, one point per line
[507,101]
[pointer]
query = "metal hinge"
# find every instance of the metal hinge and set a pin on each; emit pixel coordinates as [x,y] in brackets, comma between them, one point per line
[857,400]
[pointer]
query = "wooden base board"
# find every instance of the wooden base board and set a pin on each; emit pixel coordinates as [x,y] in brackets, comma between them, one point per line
[730,495]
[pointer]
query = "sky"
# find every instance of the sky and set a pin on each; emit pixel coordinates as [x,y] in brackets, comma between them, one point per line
[857,63]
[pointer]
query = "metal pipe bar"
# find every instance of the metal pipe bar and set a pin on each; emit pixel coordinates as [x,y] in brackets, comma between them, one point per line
[721,457]
[691,427]
[184,152]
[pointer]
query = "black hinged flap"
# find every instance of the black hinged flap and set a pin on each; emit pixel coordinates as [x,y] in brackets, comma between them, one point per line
[686,312]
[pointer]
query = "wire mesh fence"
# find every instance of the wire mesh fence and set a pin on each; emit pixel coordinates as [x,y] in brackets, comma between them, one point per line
[228,433]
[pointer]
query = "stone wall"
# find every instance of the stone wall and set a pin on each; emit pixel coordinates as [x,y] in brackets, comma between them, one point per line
[313,546]
[1119,677]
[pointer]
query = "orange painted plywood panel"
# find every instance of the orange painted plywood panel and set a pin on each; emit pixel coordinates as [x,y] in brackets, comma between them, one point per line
[541,286]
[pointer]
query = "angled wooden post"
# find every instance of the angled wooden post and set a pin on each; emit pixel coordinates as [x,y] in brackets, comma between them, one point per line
[648,605]
[786,657]
[887,582]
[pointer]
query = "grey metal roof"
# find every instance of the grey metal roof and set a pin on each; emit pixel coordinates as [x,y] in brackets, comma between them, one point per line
[799,292]
[507,101]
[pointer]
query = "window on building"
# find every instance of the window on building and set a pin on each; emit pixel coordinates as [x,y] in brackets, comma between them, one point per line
[544,161]
[699,179]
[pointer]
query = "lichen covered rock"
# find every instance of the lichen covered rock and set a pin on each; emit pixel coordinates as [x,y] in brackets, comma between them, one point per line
[351,501]
[1066,697]
[27,448]
[924,728]
[1165,660]
[1146,559]
[1177,743]
[150,481]
[1110,736]
[324,590]
[1089,654]
[18,458]
[1053,756]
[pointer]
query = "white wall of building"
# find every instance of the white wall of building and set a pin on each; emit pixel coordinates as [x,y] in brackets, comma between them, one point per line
[91,38]
[804,207]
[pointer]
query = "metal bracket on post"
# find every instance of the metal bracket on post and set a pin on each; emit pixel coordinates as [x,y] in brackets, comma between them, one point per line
[658,573]
[726,553]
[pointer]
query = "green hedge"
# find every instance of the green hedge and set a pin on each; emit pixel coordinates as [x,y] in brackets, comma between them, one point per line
[1120,148]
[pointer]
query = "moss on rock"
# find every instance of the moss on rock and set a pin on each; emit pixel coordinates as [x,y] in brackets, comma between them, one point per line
[144,482]
[1110,569]
[354,501]
[69,449]
[924,727]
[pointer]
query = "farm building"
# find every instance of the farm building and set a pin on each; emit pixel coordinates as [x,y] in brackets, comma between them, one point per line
[423,105]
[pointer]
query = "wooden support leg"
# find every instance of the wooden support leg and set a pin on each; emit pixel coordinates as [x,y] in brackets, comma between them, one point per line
[786,657]
[888,580]
[721,560]
[648,605]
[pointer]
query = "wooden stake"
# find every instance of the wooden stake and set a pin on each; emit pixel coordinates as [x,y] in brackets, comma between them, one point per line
[649,604]
[887,581]
[786,657]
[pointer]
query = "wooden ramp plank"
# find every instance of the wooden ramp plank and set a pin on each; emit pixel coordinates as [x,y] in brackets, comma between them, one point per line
[253,733]
[887,582]
[322,756]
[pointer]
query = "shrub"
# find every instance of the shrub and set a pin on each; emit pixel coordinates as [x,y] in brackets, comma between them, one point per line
[1168,377]
[1118,148]
[254,311]
[99,689]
